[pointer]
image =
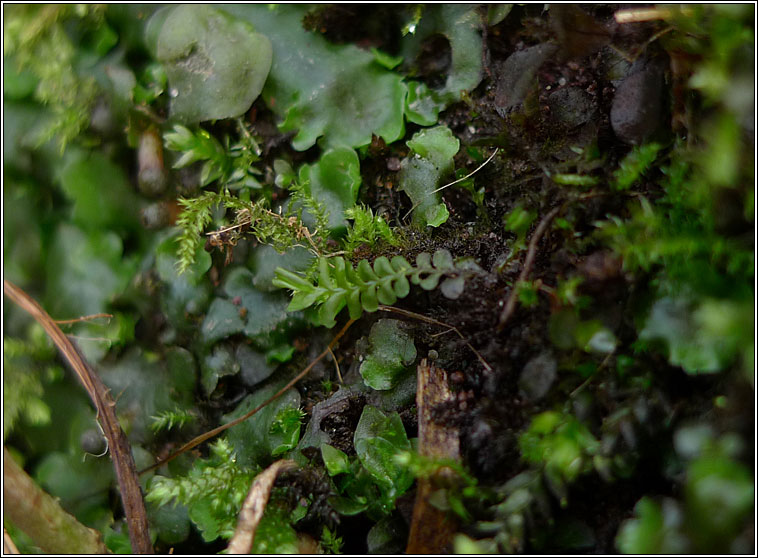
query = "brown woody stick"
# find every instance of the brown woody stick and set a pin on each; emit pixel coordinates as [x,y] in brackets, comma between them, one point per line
[42,518]
[432,530]
[121,452]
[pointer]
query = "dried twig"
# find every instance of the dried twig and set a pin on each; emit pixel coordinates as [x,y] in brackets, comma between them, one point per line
[216,431]
[450,328]
[336,366]
[252,510]
[121,452]
[84,318]
[42,518]
[510,304]
[637,15]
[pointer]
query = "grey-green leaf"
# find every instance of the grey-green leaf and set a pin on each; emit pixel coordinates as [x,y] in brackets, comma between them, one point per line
[216,65]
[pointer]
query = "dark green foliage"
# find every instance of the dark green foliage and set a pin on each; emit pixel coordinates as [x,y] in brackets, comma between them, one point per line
[216,64]
[561,445]
[714,481]
[321,90]
[421,174]
[26,364]
[519,221]
[330,542]
[167,420]
[643,279]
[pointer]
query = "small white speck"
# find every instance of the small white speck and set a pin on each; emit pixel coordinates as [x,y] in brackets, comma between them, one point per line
[500,303]
[548,88]
[562,81]
[173,92]
[471,130]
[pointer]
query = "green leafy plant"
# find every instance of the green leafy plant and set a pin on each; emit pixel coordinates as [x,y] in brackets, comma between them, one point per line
[335,92]
[458,486]
[390,352]
[285,430]
[459,24]
[528,293]
[421,174]
[329,187]
[273,430]
[634,165]
[562,445]
[231,165]
[372,480]
[167,420]
[361,289]
[717,503]
[216,64]
[282,232]
[213,491]
[366,228]
[518,221]
[330,542]
[261,316]
[26,365]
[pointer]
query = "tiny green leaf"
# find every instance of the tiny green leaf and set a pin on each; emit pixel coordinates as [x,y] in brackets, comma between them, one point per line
[336,460]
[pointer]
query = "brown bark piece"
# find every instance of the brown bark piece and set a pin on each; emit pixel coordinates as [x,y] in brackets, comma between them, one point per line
[255,504]
[431,529]
[121,451]
[42,518]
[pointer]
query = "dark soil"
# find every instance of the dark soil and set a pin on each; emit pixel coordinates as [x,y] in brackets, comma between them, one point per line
[571,103]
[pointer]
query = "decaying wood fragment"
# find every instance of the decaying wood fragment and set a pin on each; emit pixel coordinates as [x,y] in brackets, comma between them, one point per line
[121,451]
[42,518]
[255,504]
[431,529]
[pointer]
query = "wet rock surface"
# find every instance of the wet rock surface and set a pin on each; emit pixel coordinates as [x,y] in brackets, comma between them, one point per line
[571,107]
[637,108]
[518,75]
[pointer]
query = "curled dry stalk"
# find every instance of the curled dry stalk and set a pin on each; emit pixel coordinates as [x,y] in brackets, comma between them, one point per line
[216,431]
[255,504]
[121,451]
